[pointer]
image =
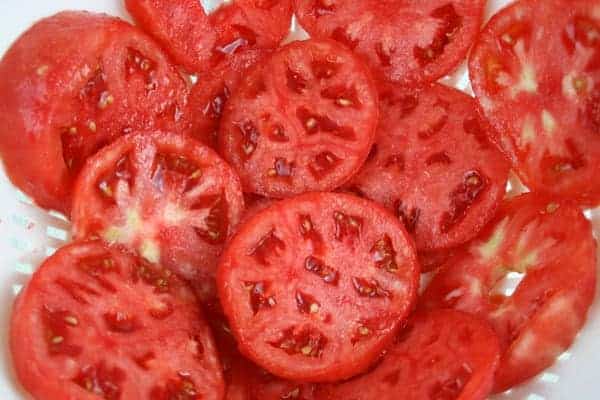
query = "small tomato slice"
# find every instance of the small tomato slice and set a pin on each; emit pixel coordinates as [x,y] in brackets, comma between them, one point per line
[547,244]
[315,287]
[95,323]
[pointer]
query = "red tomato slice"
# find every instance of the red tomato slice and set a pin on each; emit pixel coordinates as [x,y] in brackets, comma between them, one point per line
[431,261]
[168,197]
[252,23]
[434,166]
[443,354]
[551,243]
[315,287]
[181,27]
[408,42]
[62,99]
[536,72]
[209,95]
[302,120]
[96,323]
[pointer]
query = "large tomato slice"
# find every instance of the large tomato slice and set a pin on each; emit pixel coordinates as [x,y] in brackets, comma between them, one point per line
[405,41]
[181,27]
[209,95]
[94,323]
[166,196]
[70,85]
[302,120]
[443,354]
[551,244]
[536,72]
[433,164]
[314,287]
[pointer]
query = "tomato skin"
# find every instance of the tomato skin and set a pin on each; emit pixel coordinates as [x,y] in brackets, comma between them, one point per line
[442,354]
[62,342]
[415,43]
[289,130]
[173,201]
[552,244]
[45,96]
[291,301]
[180,26]
[534,71]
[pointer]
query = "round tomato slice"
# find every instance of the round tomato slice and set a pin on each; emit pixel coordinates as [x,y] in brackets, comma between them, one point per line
[443,354]
[181,27]
[167,197]
[536,72]
[62,99]
[408,42]
[550,244]
[302,120]
[209,95]
[314,287]
[433,164]
[96,323]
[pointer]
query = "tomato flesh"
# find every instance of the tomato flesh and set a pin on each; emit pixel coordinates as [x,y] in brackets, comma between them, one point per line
[167,197]
[408,42]
[96,323]
[443,354]
[319,296]
[550,246]
[434,165]
[535,70]
[302,120]
[63,99]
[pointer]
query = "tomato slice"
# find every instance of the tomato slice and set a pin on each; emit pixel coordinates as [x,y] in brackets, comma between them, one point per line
[302,120]
[209,95]
[549,243]
[535,70]
[63,99]
[314,287]
[442,354]
[181,27]
[96,323]
[167,197]
[408,42]
[433,164]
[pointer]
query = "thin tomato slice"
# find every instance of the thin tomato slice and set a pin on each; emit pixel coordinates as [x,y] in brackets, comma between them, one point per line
[550,246]
[443,354]
[73,83]
[408,42]
[434,165]
[210,94]
[536,72]
[314,287]
[302,120]
[94,323]
[167,197]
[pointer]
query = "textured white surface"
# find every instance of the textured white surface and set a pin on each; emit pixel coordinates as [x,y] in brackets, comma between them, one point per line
[28,235]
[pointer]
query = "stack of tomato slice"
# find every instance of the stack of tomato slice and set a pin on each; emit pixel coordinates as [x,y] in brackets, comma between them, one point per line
[251,218]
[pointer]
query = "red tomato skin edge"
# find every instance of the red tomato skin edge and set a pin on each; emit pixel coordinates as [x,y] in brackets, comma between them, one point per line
[225,293]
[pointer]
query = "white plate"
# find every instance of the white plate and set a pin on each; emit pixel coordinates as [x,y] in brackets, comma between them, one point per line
[28,235]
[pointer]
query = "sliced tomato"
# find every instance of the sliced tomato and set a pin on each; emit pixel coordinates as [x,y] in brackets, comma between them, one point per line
[181,27]
[408,42]
[550,246]
[433,164]
[252,23]
[209,95]
[443,354]
[314,287]
[63,99]
[302,120]
[95,323]
[167,197]
[536,73]
[431,261]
